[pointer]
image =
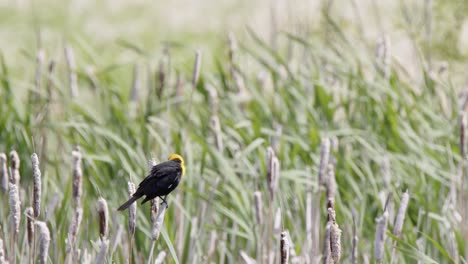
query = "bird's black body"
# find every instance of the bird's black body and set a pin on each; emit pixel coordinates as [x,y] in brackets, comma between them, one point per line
[163,179]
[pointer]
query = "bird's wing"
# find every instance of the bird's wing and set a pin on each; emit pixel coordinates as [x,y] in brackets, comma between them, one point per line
[162,170]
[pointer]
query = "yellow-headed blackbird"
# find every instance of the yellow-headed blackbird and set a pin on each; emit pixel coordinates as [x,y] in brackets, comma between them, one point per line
[162,180]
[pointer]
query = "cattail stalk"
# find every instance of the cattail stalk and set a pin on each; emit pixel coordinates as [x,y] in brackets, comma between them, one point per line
[258,207]
[103,213]
[216,129]
[463,128]
[160,258]
[324,159]
[37,185]
[40,57]
[354,251]
[44,241]
[331,186]
[196,69]
[3,172]
[131,219]
[29,212]
[326,245]
[398,225]
[136,85]
[15,218]
[73,230]
[273,169]
[380,236]
[101,256]
[14,168]
[284,245]
[71,65]
[2,252]
[157,225]
[77,176]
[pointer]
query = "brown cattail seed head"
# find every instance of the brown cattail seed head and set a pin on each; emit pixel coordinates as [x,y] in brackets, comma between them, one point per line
[14,168]
[103,217]
[37,185]
[335,236]
[15,208]
[3,172]
[44,241]
[77,175]
[131,209]
[284,248]
[29,212]
[398,226]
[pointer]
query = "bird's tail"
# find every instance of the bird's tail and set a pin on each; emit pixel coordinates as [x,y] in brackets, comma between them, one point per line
[129,202]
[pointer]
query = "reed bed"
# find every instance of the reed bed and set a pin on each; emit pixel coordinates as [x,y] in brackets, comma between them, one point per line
[315,145]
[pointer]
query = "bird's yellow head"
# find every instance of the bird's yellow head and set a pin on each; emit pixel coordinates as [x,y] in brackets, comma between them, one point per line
[178,158]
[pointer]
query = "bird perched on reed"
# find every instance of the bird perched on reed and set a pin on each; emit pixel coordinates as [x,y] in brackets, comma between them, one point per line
[163,179]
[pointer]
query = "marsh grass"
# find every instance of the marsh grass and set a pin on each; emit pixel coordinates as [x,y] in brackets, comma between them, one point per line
[257,127]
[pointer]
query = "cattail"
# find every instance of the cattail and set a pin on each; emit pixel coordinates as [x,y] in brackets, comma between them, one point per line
[324,158]
[277,224]
[232,43]
[2,252]
[73,229]
[273,181]
[136,85]
[383,56]
[37,185]
[463,127]
[77,175]
[160,257]
[71,65]
[44,241]
[258,207]
[154,209]
[214,101]
[29,212]
[15,208]
[158,223]
[101,256]
[284,248]
[131,209]
[354,252]
[216,128]
[103,217]
[40,57]
[161,73]
[326,246]
[3,172]
[331,186]
[14,168]
[335,236]
[380,236]
[196,68]
[398,226]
